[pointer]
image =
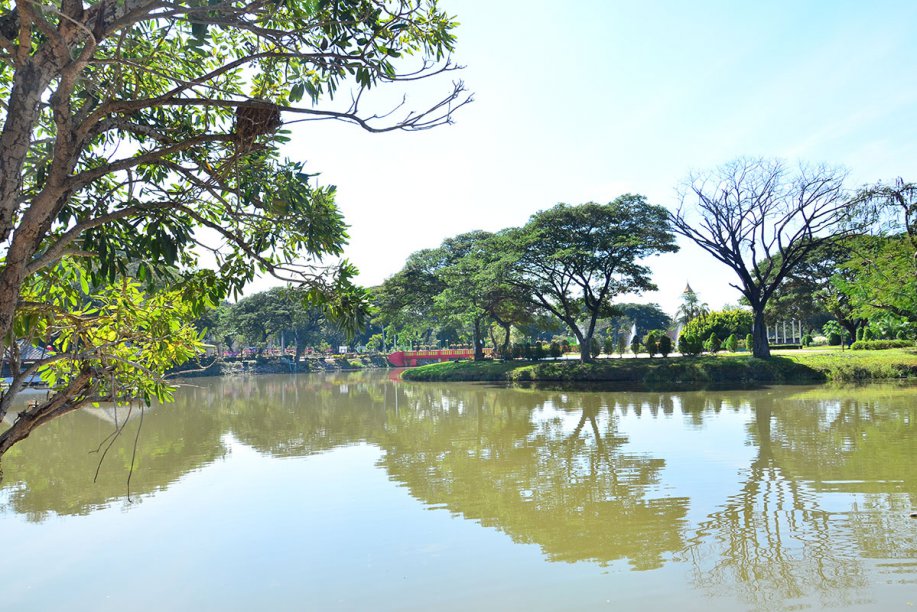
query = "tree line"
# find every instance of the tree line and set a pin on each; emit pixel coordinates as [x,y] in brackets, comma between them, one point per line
[567,263]
[135,139]
[800,244]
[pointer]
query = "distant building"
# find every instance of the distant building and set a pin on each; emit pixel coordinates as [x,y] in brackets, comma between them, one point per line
[28,355]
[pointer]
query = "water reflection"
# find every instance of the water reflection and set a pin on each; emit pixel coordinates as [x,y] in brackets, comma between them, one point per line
[775,540]
[827,485]
[545,469]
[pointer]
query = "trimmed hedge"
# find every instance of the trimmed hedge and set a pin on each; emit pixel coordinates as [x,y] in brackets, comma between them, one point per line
[724,371]
[879,345]
[785,347]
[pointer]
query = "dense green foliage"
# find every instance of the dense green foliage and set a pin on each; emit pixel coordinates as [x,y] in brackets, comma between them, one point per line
[834,332]
[723,371]
[651,343]
[635,345]
[137,136]
[665,345]
[566,264]
[713,343]
[878,345]
[722,323]
[571,261]
[657,341]
[639,318]
[453,292]
[880,277]
[690,344]
[282,316]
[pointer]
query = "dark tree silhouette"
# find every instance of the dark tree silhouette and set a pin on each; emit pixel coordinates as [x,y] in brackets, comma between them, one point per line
[762,220]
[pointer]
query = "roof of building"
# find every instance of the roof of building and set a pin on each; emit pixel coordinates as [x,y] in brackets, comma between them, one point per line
[30,352]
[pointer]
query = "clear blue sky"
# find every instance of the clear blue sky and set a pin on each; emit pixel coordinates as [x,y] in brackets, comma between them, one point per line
[582,101]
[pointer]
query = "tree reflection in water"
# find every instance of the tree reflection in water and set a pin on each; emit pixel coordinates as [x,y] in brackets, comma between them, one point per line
[509,460]
[773,542]
[828,489]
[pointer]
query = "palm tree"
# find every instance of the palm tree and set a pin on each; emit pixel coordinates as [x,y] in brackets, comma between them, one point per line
[691,306]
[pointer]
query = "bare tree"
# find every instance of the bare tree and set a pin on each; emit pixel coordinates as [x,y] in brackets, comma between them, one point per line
[762,220]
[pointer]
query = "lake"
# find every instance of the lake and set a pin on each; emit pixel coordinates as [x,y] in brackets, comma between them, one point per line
[358,491]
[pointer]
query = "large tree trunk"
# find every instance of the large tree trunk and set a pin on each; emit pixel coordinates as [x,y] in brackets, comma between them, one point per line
[478,344]
[504,346]
[585,347]
[760,348]
[504,351]
[64,401]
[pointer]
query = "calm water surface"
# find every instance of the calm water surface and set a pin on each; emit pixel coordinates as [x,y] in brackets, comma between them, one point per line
[360,492]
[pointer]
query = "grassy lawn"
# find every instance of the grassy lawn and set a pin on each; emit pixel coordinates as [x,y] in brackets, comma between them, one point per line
[795,366]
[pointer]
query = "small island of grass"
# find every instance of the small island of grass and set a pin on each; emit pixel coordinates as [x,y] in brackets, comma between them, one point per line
[792,367]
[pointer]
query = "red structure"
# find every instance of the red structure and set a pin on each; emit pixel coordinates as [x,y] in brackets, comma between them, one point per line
[409,359]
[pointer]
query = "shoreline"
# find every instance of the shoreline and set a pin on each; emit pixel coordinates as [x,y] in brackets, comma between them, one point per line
[674,373]
[256,367]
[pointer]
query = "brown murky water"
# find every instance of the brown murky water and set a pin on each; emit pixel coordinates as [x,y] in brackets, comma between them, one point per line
[360,492]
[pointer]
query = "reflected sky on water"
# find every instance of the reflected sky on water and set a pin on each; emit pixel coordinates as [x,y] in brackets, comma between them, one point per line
[355,491]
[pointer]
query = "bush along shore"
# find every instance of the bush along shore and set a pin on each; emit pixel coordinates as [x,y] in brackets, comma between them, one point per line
[277,365]
[801,367]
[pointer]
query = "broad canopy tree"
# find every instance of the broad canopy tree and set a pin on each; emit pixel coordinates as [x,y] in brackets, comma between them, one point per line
[460,284]
[811,291]
[279,312]
[406,300]
[879,278]
[762,220]
[129,127]
[571,261]
[881,273]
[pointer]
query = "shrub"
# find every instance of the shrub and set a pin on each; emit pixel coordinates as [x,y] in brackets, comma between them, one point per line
[749,342]
[732,343]
[835,333]
[374,344]
[608,345]
[635,345]
[868,334]
[806,340]
[665,345]
[878,345]
[650,341]
[712,344]
[721,323]
[859,334]
[554,350]
[621,345]
[538,352]
[594,348]
[689,344]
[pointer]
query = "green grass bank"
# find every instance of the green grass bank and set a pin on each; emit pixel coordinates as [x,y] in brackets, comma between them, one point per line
[791,367]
